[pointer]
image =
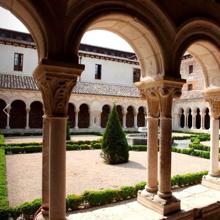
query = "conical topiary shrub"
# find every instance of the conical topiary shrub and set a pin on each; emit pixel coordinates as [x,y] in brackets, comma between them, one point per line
[114,144]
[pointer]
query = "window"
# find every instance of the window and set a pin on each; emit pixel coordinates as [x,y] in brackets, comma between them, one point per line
[190,87]
[18,61]
[190,69]
[136,75]
[98,71]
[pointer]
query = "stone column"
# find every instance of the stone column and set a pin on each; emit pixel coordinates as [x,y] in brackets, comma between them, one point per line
[124,119]
[27,118]
[8,118]
[45,163]
[76,119]
[56,81]
[202,120]
[212,179]
[164,91]
[135,120]
[193,120]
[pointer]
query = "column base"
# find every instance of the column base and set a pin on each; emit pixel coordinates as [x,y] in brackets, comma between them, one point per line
[211,181]
[154,202]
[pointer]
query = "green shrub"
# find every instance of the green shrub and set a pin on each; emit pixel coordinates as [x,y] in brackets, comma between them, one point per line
[68,131]
[3,184]
[114,144]
[96,145]
[29,208]
[2,139]
[85,147]
[199,147]
[138,148]
[73,202]
[127,192]
[195,140]
[97,198]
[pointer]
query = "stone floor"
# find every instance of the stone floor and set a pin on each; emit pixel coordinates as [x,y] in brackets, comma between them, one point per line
[197,196]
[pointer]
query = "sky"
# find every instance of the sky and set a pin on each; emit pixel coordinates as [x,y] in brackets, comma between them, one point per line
[97,37]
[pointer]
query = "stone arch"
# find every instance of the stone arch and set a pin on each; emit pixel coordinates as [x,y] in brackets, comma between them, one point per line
[141,117]
[84,116]
[148,35]
[104,115]
[71,115]
[3,116]
[36,115]
[206,119]
[200,38]
[17,114]
[182,118]
[130,117]
[31,18]
[189,118]
[120,113]
[198,118]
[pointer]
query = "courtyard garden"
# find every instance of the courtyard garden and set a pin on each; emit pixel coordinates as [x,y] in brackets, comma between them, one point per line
[90,181]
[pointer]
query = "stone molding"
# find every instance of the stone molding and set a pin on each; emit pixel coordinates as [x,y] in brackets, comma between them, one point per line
[159,95]
[56,83]
[212,96]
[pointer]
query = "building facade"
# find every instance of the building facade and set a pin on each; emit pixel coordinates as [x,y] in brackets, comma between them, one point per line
[108,79]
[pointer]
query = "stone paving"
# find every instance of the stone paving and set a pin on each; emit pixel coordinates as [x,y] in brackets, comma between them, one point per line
[192,197]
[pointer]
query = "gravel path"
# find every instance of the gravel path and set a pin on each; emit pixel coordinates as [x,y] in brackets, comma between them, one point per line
[86,170]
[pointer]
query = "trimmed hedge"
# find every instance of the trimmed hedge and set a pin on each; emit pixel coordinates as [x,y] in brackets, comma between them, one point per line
[192,152]
[3,184]
[2,139]
[100,197]
[199,147]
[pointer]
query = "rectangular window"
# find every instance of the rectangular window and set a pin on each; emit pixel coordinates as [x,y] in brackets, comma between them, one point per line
[18,61]
[98,71]
[190,69]
[190,87]
[136,75]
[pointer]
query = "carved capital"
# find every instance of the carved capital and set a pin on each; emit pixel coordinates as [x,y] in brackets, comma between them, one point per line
[160,94]
[56,83]
[213,97]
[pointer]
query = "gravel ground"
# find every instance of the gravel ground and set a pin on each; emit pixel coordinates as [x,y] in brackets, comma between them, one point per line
[86,170]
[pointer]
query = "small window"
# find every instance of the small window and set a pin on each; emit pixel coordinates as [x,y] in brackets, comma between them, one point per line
[136,75]
[190,87]
[18,61]
[190,69]
[98,71]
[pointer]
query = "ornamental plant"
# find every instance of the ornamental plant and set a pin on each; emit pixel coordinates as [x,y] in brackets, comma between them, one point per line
[114,144]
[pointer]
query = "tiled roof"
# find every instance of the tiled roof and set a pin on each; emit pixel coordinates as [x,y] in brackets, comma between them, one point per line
[9,81]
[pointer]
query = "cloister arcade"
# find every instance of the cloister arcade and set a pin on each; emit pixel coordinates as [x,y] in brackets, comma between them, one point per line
[160,32]
[22,115]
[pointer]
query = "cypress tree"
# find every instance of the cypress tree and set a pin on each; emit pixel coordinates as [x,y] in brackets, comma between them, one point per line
[114,145]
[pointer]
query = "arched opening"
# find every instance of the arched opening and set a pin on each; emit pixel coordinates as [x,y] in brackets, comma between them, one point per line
[141,117]
[71,115]
[104,115]
[17,114]
[83,116]
[130,117]
[182,118]
[207,119]
[3,116]
[198,119]
[35,115]
[189,118]
[120,113]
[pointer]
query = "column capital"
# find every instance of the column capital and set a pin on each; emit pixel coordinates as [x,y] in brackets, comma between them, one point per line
[159,95]
[212,96]
[56,81]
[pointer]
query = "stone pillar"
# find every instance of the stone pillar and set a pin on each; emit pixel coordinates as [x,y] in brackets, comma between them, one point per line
[135,120]
[56,81]
[8,118]
[27,118]
[164,91]
[214,150]
[212,179]
[202,121]
[76,119]
[124,119]
[193,120]
[45,164]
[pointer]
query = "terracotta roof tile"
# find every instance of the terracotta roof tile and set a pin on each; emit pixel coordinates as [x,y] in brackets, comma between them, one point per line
[9,81]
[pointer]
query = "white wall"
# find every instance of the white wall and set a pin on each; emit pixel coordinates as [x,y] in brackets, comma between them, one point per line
[30,59]
[112,72]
